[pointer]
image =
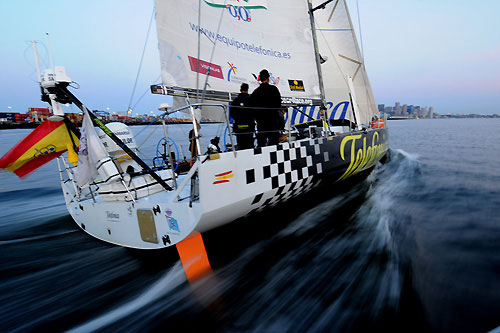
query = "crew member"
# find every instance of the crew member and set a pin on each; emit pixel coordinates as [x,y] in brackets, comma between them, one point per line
[244,122]
[193,149]
[266,104]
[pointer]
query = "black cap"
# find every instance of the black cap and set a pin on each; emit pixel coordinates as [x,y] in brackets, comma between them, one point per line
[263,75]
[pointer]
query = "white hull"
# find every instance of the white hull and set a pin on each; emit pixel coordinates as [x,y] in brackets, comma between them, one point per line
[230,187]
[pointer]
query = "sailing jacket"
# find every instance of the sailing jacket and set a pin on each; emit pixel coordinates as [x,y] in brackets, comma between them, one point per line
[244,119]
[266,104]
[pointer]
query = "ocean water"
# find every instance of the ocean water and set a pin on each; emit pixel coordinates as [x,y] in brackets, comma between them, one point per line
[412,246]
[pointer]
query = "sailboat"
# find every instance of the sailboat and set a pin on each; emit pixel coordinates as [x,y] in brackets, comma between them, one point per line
[207,49]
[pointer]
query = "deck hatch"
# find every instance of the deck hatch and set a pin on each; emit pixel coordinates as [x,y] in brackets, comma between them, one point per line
[147,225]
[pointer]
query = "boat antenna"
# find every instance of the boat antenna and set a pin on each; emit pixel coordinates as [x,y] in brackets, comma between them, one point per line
[140,63]
[37,63]
[360,33]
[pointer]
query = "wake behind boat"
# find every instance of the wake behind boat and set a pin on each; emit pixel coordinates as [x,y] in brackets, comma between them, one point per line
[332,131]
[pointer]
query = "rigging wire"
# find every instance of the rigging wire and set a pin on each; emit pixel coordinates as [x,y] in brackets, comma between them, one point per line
[142,58]
[144,94]
[360,33]
[213,51]
[199,50]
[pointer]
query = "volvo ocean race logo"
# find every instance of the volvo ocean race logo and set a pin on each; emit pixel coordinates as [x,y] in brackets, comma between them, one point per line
[239,9]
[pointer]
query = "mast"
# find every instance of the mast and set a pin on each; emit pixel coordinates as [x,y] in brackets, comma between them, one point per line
[317,57]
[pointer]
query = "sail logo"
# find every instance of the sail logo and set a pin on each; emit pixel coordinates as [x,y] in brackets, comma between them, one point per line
[247,4]
[223,177]
[231,74]
[204,67]
[296,85]
[239,9]
[232,69]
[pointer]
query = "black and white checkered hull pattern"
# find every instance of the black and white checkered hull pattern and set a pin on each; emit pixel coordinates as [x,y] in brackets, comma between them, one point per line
[264,177]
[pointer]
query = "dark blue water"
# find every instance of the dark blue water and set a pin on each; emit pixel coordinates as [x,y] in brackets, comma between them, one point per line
[414,246]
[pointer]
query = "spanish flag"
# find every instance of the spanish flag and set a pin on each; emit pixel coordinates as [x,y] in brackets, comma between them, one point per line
[46,142]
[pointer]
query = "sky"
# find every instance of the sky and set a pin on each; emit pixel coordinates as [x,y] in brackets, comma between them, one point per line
[441,53]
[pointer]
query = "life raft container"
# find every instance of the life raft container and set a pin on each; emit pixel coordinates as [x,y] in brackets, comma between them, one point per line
[379,123]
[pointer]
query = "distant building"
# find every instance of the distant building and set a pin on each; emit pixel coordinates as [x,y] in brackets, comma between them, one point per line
[397,109]
[431,112]
[404,110]
[13,117]
[39,114]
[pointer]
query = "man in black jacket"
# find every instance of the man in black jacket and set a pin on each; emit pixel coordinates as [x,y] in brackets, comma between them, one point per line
[266,104]
[244,122]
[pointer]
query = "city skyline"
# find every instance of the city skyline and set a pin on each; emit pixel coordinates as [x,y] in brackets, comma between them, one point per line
[418,51]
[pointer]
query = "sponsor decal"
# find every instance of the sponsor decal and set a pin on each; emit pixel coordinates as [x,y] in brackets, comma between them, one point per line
[231,77]
[232,69]
[112,216]
[223,177]
[172,223]
[336,111]
[204,67]
[364,156]
[248,4]
[240,13]
[243,45]
[296,85]
[296,101]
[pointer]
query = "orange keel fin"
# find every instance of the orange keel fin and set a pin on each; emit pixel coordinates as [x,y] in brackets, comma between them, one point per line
[194,257]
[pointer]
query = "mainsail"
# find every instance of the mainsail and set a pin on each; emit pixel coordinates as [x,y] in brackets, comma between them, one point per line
[237,40]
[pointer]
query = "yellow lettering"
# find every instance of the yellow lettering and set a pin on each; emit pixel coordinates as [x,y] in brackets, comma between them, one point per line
[364,157]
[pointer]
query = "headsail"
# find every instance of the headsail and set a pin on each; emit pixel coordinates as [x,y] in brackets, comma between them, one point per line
[338,45]
[237,40]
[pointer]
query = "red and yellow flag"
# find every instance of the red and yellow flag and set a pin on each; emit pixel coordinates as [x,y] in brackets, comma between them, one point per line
[46,142]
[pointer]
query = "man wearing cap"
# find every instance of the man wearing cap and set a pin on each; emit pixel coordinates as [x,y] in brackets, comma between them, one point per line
[244,121]
[266,104]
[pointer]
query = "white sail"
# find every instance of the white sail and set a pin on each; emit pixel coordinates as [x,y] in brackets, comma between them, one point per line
[238,39]
[337,43]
